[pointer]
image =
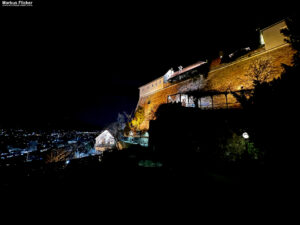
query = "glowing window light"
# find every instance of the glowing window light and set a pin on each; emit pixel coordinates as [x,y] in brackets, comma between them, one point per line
[262,41]
[105,138]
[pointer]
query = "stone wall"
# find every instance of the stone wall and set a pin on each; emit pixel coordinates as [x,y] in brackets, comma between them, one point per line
[232,75]
[224,76]
[153,101]
[151,87]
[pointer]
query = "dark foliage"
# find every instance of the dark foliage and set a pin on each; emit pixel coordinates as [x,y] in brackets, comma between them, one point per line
[292,32]
[274,112]
[184,135]
[193,138]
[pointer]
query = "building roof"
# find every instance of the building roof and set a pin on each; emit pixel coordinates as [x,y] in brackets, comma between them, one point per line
[272,25]
[187,69]
[197,64]
[105,133]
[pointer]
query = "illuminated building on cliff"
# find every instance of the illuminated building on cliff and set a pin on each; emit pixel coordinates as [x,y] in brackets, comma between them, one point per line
[216,80]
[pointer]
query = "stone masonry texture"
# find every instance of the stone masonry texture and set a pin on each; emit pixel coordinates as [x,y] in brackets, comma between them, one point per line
[220,77]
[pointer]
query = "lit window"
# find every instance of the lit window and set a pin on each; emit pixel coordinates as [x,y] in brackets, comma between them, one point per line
[262,41]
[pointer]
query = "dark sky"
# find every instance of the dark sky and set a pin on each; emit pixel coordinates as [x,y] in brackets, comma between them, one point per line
[77,64]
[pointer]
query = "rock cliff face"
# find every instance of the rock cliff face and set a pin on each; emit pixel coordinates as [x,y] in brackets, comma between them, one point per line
[221,77]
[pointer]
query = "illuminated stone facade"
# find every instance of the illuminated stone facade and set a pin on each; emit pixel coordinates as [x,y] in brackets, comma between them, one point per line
[220,77]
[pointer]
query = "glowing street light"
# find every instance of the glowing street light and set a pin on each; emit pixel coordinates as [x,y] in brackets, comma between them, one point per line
[245,135]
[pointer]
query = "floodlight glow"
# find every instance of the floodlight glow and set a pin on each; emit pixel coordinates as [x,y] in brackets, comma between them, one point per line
[245,135]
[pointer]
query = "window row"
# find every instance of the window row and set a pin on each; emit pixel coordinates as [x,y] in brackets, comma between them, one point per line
[150,86]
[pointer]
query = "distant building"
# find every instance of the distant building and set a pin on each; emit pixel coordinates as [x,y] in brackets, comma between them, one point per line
[105,141]
[32,146]
[72,142]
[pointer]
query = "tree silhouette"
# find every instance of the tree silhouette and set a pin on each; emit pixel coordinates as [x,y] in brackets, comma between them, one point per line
[292,34]
[258,76]
[58,155]
[138,118]
[272,105]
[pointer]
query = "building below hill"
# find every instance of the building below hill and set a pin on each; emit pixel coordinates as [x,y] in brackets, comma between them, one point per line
[105,141]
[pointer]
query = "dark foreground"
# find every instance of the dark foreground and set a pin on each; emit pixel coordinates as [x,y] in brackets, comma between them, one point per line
[133,181]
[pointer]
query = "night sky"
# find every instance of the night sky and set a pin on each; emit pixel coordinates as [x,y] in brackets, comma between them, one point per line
[77,64]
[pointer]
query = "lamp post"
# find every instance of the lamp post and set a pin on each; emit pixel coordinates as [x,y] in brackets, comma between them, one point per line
[245,135]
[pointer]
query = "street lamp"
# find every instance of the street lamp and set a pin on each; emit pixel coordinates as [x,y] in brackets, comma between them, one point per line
[245,135]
